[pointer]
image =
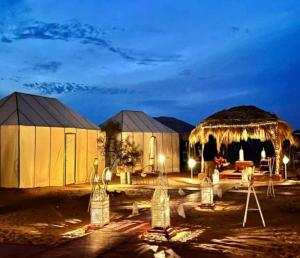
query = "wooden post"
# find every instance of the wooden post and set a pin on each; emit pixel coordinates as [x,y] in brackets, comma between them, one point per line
[277,151]
[202,158]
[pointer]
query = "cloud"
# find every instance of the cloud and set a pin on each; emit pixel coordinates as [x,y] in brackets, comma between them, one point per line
[59,88]
[50,66]
[85,33]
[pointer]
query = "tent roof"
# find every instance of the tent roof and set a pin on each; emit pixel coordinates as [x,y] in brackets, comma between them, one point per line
[297,132]
[32,110]
[238,123]
[177,125]
[138,121]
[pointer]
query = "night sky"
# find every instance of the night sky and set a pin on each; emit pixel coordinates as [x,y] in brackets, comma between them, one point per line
[186,59]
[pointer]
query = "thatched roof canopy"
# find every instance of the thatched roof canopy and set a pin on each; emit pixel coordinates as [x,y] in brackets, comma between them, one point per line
[243,122]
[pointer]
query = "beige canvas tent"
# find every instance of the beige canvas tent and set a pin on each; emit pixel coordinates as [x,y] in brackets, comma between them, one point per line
[44,143]
[152,137]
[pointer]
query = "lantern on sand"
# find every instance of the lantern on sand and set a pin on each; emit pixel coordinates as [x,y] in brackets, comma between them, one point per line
[207,194]
[99,199]
[160,212]
[160,205]
[99,207]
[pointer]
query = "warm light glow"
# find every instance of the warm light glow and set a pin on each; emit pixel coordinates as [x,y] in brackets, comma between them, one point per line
[96,162]
[162,158]
[191,163]
[244,135]
[285,160]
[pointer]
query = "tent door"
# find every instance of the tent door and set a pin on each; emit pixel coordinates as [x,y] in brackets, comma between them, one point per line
[70,156]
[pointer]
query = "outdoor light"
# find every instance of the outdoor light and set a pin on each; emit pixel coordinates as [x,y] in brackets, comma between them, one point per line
[162,160]
[191,164]
[160,205]
[263,154]
[285,161]
[108,175]
[207,193]
[99,207]
[216,176]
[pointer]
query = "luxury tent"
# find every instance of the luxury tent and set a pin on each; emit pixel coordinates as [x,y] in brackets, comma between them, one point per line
[243,122]
[44,143]
[183,129]
[152,137]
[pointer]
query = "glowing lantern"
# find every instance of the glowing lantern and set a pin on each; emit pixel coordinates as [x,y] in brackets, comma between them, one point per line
[263,154]
[216,176]
[99,207]
[241,154]
[160,205]
[207,193]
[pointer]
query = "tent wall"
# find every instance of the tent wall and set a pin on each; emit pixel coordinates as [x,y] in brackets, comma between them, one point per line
[38,158]
[167,144]
[57,156]
[42,156]
[176,152]
[27,157]
[9,142]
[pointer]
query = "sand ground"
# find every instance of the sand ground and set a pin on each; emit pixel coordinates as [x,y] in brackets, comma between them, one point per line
[42,217]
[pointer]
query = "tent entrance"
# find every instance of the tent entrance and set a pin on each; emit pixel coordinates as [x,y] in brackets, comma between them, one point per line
[70,156]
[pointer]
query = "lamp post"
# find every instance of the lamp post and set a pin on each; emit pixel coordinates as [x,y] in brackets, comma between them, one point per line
[285,161]
[106,177]
[191,164]
[162,160]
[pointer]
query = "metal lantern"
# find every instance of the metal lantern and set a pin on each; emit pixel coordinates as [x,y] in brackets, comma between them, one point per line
[99,207]
[160,205]
[207,193]
[216,177]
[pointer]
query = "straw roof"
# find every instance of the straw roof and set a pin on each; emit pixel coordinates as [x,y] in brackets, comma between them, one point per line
[240,123]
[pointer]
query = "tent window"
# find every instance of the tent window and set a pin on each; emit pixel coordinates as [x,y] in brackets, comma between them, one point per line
[152,150]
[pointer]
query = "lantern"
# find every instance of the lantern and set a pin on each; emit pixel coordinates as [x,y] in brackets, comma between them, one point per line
[99,207]
[207,193]
[216,176]
[160,205]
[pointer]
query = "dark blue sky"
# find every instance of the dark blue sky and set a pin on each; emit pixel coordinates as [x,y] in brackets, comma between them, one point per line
[177,58]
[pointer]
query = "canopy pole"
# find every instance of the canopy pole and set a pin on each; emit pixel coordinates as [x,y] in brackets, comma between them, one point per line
[202,158]
[277,152]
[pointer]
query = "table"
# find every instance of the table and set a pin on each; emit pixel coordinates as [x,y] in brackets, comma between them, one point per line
[240,165]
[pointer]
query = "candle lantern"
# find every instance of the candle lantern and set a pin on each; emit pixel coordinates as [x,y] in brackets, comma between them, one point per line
[241,154]
[207,194]
[263,154]
[216,176]
[99,207]
[160,205]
